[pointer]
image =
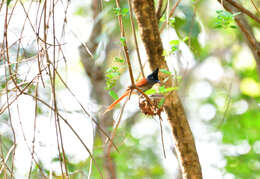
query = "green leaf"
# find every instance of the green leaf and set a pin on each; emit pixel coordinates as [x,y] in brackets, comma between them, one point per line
[174,42]
[162,89]
[185,39]
[124,11]
[163,18]
[161,102]
[174,45]
[8,2]
[115,74]
[150,91]
[81,11]
[116,11]
[170,89]
[120,60]
[165,71]
[218,26]
[224,19]
[112,75]
[236,13]
[174,48]
[113,94]
[122,40]
[119,11]
[172,21]
[112,69]
[219,11]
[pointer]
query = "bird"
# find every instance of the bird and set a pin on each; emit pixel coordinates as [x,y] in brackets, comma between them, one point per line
[143,84]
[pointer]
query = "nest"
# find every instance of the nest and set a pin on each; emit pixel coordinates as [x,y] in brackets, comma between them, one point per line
[151,109]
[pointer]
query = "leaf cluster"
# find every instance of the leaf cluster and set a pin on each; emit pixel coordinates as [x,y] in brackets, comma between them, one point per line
[225,19]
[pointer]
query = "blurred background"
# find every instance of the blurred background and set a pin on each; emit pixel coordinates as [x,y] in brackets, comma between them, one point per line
[214,69]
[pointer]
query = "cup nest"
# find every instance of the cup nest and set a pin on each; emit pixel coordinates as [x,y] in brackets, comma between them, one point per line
[150,109]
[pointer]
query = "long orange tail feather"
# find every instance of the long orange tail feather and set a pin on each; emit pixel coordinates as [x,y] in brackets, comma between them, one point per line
[117,101]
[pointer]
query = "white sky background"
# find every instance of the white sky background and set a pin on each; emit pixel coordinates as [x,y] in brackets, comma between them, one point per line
[208,141]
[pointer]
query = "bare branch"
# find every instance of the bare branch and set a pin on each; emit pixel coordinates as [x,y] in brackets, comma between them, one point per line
[124,45]
[136,44]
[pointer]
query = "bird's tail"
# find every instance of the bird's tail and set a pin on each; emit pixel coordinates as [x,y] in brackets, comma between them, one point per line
[117,101]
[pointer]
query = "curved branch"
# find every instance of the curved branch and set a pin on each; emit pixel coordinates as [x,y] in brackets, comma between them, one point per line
[244,10]
[247,31]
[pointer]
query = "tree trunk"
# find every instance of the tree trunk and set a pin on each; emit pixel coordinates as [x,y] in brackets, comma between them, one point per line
[96,75]
[184,142]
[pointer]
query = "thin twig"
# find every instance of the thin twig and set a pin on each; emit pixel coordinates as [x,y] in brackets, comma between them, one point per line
[142,93]
[135,39]
[2,156]
[52,81]
[170,14]
[161,131]
[54,89]
[85,111]
[72,129]
[255,7]
[108,154]
[34,127]
[125,46]
[90,168]
[7,157]
[5,41]
[228,102]
[27,145]
[117,124]
[244,10]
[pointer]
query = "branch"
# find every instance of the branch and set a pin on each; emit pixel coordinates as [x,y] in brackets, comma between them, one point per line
[184,142]
[171,14]
[124,45]
[255,7]
[247,32]
[136,44]
[159,9]
[243,10]
[96,74]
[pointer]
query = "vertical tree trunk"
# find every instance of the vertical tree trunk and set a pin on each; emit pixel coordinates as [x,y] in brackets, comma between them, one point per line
[184,142]
[97,77]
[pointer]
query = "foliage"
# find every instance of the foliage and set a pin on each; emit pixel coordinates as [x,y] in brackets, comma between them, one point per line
[244,166]
[135,160]
[120,11]
[242,127]
[224,19]
[112,75]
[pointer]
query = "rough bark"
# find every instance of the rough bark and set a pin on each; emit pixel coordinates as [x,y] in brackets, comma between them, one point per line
[184,142]
[96,75]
